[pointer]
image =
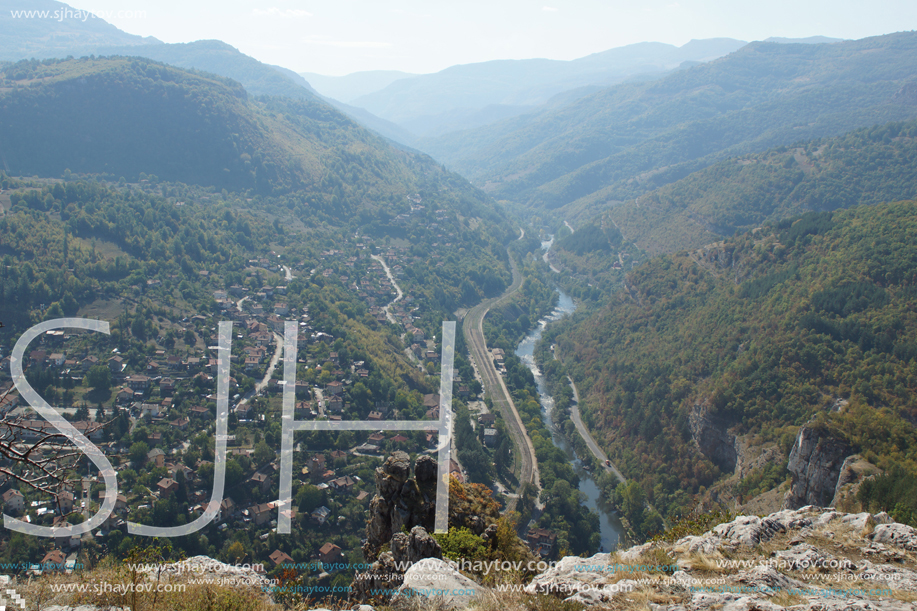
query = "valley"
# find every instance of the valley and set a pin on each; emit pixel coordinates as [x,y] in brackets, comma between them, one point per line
[682,276]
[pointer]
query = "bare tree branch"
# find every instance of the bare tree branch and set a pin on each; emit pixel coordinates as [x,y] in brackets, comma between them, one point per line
[47,474]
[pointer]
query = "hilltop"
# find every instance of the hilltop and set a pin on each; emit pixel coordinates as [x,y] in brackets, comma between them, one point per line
[88,116]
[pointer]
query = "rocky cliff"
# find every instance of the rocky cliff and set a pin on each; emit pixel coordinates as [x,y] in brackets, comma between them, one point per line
[711,437]
[815,463]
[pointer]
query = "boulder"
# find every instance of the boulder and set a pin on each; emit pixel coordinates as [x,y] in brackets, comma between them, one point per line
[439,585]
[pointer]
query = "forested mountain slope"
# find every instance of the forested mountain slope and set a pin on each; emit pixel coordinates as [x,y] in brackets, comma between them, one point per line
[759,333]
[867,166]
[90,116]
[623,141]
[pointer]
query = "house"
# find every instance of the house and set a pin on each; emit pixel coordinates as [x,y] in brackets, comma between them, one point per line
[343,484]
[330,553]
[65,502]
[89,362]
[166,387]
[335,388]
[487,419]
[316,463]
[125,395]
[13,501]
[55,560]
[541,541]
[200,410]
[57,359]
[490,438]
[116,364]
[153,410]
[181,423]
[166,487]
[157,456]
[335,403]
[261,513]
[138,382]
[321,514]
[278,557]
[375,416]
[261,480]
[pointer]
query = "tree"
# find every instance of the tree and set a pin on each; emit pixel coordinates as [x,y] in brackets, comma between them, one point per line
[138,452]
[99,378]
[263,453]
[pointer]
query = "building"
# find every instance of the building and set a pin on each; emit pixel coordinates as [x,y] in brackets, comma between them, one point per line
[278,557]
[262,481]
[321,514]
[166,487]
[157,456]
[330,553]
[13,501]
[541,541]
[261,513]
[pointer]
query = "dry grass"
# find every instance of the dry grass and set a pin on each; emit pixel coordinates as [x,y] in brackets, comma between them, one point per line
[786,599]
[39,593]
[704,563]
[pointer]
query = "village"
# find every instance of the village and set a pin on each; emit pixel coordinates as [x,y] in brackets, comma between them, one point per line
[161,409]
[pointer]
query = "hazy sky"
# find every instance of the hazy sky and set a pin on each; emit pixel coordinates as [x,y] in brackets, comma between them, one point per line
[337,37]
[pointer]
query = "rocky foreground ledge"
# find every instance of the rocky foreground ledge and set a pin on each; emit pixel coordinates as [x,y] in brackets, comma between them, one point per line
[806,559]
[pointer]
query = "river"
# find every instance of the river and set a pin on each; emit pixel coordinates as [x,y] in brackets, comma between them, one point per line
[610,526]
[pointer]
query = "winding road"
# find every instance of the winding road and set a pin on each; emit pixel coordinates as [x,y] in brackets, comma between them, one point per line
[388,309]
[496,388]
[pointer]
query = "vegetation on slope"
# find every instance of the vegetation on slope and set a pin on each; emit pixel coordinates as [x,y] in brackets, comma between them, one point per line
[626,140]
[763,331]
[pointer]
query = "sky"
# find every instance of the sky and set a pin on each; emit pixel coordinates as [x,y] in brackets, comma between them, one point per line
[338,37]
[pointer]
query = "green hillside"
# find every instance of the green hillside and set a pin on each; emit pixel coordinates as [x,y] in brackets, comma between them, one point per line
[762,331]
[631,138]
[866,166]
[88,116]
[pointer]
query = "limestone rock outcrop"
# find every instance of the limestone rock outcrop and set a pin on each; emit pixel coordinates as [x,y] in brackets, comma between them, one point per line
[400,500]
[815,463]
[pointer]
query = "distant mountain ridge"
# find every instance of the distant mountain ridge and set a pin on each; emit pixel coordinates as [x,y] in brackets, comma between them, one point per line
[46,28]
[616,143]
[351,86]
[416,102]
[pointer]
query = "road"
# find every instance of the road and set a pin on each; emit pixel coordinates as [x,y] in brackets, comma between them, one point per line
[496,388]
[587,437]
[388,309]
[278,351]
